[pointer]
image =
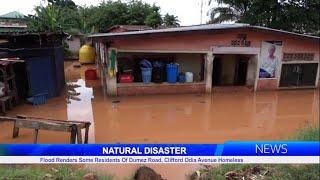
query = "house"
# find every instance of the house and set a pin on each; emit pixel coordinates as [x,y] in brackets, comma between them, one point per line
[74,43]
[13,22]
[127,28]
[219,55]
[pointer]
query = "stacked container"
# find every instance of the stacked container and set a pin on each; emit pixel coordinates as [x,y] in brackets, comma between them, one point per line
[172,72]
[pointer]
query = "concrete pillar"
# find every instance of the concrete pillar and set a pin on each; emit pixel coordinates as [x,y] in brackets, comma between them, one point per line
[208,71]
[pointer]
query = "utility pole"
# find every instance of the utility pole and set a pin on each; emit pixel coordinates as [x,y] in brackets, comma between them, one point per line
[201,11]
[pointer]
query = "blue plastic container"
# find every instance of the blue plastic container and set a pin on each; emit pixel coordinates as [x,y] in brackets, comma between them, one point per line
[38,99]
[182,78]
[172,73]
[146,75]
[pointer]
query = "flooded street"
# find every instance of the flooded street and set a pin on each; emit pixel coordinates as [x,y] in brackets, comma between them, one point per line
[186,118]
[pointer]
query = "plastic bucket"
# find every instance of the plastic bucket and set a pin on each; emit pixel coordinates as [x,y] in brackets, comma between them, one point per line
[189,77]
[158,74]
[90,74]
[146,75]
[172,73]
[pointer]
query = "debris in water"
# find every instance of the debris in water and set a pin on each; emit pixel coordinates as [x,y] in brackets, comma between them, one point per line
[73,93]
[145,173]
[74,98]
[90,176]
[77,65]
[195,176]
[71,85]
[48,175]
[249,173]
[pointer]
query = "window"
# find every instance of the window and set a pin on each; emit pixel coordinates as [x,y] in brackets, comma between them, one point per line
[298,57]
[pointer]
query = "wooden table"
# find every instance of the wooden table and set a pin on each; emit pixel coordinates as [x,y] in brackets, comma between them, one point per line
[74,127]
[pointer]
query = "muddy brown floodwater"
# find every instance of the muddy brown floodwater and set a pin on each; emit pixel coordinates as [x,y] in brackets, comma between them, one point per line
[186,118]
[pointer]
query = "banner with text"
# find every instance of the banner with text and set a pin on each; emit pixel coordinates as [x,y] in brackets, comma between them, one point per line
[230,152]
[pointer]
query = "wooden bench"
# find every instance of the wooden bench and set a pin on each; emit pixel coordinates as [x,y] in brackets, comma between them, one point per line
[74,127]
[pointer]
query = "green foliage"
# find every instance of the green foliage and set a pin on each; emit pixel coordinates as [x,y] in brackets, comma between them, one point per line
[300,16]
[170,21]
[276,172]
[153,20]
[308,134]
[63,15]
[46,19]
[13,172]
[63,3]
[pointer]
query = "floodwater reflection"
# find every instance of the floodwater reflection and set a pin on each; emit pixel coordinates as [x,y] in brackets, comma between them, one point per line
[184,118]
[79,107]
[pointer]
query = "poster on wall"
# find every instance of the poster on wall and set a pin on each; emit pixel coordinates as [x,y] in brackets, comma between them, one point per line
[270,57]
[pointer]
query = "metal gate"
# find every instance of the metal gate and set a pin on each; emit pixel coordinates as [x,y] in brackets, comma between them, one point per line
[298,75]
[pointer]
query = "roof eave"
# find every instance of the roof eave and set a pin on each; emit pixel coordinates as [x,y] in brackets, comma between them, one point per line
[174,30]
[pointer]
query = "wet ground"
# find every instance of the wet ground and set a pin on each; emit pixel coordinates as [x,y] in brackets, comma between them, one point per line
[187,118]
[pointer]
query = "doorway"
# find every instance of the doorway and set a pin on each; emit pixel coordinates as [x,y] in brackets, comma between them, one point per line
[230,70]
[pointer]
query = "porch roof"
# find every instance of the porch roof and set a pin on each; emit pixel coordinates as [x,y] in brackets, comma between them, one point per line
[204,27]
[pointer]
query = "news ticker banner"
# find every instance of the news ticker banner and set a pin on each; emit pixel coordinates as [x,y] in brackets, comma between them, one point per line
[286,152]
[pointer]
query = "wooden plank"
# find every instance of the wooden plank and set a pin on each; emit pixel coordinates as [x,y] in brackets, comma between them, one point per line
[86,136]
[55,120]
[73,134]
[42,125]
[35,136]
[11,60]
[15,131]
[79,135]
[162,51]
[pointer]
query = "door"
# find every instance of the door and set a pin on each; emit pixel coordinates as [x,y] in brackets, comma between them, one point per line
[240,77]
[216,72]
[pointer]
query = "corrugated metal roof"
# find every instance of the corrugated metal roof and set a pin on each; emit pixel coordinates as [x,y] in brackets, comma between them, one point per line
[13,15]
[203,27]
[131,27]
[12,29]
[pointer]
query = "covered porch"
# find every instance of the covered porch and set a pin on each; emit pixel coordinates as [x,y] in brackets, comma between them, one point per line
[199,63]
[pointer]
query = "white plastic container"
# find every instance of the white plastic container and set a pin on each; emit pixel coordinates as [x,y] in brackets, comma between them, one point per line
[189,77]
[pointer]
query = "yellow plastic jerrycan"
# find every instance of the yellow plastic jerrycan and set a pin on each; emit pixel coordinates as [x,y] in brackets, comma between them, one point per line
[87,54]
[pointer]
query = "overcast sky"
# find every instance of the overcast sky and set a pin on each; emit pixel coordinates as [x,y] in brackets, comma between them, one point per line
[188,11]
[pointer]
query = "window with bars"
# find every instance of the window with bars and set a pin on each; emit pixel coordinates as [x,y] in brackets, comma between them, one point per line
[298,56]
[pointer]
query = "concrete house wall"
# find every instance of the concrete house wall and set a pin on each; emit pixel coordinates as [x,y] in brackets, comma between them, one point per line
[74,45]
[212,43]
[204,41]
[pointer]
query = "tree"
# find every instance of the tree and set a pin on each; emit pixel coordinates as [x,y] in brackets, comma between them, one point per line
[63,3]
[153,20]
[171,21]
[46,19]
[234,10]
[301,16]
[110,13]
[65,15]
[138,12]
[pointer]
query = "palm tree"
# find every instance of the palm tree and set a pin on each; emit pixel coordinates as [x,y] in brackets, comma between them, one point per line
[171,21]
[45,19]
[233,12]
